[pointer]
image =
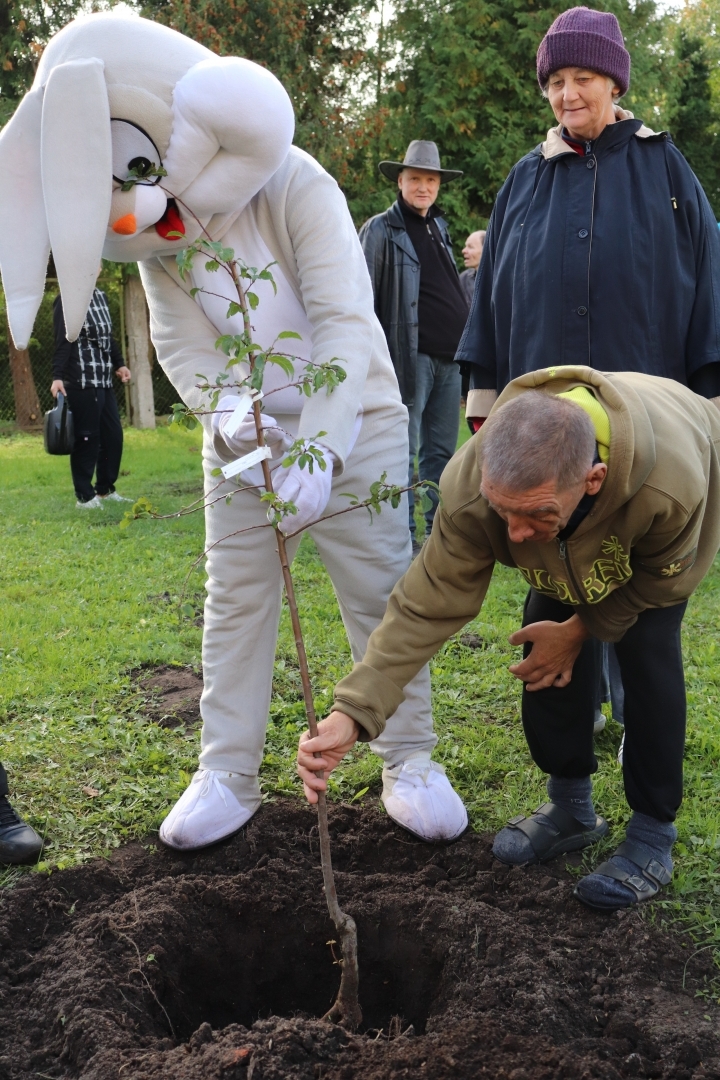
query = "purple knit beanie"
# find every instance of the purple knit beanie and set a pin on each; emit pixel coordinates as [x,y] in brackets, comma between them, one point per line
[587,39]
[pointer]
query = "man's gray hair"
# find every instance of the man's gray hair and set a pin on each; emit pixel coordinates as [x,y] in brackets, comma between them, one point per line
[536,438]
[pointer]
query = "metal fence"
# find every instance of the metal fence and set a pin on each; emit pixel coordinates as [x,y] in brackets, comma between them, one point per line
[42,347]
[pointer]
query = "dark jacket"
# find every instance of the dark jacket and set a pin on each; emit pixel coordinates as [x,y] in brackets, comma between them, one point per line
[95,356]
[395,274]
[610,260]
[467,280]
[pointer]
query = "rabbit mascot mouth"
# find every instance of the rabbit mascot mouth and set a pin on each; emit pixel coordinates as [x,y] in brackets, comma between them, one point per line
[132,141]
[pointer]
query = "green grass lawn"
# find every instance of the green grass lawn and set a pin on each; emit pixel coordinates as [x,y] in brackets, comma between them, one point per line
[84,603]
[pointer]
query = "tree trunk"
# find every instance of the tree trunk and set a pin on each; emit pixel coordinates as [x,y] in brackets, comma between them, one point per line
[142,400]
[27,403]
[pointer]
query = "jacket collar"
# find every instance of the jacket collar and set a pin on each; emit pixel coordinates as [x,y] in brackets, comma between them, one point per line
[398,230]
[613,134]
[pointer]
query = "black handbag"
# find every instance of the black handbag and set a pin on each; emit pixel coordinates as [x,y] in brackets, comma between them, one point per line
[58,428]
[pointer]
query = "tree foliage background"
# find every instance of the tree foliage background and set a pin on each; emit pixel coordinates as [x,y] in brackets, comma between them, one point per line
[367,76]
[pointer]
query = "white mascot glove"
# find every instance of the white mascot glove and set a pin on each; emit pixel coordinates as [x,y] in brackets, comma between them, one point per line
[309,491]
[244,440]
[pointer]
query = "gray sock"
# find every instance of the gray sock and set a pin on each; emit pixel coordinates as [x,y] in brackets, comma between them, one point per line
[574,796]
[656,838]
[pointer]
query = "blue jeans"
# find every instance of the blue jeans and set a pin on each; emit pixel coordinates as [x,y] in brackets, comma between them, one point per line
[434,424]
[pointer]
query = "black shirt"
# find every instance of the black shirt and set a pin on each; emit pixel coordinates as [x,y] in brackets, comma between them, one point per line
[91,360]
[442,307]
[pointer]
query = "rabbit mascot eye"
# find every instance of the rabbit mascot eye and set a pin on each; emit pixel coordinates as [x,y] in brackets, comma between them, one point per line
[132,141]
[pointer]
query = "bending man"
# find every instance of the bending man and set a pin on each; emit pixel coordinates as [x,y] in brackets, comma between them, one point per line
[603,491]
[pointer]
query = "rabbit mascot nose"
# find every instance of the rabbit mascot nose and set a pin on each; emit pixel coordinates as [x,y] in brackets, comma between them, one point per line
[132,138]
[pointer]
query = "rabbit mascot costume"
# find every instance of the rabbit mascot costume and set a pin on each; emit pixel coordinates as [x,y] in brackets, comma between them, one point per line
[116,92]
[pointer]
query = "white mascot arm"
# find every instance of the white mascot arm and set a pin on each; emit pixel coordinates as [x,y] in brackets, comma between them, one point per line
[338,300]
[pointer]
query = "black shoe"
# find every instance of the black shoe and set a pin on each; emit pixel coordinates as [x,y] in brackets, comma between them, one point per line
[19,843]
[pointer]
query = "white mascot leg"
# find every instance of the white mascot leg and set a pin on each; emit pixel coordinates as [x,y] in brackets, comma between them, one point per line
[242,613]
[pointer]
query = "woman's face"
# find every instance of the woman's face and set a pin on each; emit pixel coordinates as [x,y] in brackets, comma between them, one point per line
[582,100]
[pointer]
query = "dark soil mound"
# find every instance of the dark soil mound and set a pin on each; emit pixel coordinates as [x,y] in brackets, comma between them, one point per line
[172,694]
[158,965]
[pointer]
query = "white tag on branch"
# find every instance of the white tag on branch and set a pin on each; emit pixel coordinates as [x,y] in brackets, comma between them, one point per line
[240,412]
[246,462]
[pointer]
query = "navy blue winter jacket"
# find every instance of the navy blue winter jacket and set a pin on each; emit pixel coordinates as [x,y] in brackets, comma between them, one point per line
[610,260]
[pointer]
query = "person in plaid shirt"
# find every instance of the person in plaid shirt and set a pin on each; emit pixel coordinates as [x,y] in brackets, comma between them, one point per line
[83,371]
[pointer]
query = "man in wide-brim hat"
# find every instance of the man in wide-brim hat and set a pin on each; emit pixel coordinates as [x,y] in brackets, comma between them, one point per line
[421,305]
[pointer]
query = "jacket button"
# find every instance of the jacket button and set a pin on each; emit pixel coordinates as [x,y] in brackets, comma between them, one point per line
[413,303]
[583,233]
[414,269]
[582,311]
[591,163]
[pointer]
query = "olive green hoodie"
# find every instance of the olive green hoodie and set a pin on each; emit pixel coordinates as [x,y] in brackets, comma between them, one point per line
[648,541]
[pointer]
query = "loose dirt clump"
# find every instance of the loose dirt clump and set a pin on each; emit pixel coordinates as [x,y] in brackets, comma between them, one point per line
[172,695]
[215,966]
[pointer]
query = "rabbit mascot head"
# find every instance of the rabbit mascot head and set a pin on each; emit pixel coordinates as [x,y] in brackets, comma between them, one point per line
[131,138]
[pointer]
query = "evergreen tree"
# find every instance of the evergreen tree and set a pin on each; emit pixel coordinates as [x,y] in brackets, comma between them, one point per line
[24,30]
[691,118]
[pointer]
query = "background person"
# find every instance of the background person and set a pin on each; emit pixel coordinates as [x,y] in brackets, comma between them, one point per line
[602,248]
[603,491]
[421,307]
[472,253]
[82,370]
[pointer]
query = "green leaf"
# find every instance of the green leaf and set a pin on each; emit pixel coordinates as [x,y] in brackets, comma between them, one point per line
[283,362]
[284,334]
[252,299]
[187,611]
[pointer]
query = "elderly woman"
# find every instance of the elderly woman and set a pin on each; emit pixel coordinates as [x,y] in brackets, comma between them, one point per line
[602,249]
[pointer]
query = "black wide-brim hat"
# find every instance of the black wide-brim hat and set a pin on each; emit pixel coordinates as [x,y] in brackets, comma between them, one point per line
[419,155]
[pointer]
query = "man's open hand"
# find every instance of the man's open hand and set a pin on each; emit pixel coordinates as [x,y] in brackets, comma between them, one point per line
[555,648]
[336,736]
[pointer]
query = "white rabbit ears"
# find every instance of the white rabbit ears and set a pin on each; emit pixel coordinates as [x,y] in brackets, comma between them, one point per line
[232,129]
[55,190]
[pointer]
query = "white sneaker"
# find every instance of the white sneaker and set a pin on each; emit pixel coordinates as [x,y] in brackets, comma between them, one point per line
[418,795]
[621,749]
[600,722]
[114,496]
[206,812]
[91,504]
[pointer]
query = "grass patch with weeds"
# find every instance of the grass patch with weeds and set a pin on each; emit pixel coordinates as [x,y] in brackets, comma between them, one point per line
[84,603]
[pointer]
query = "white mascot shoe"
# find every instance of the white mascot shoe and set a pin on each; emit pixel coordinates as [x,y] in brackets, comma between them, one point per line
[208,810]
[418,795]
